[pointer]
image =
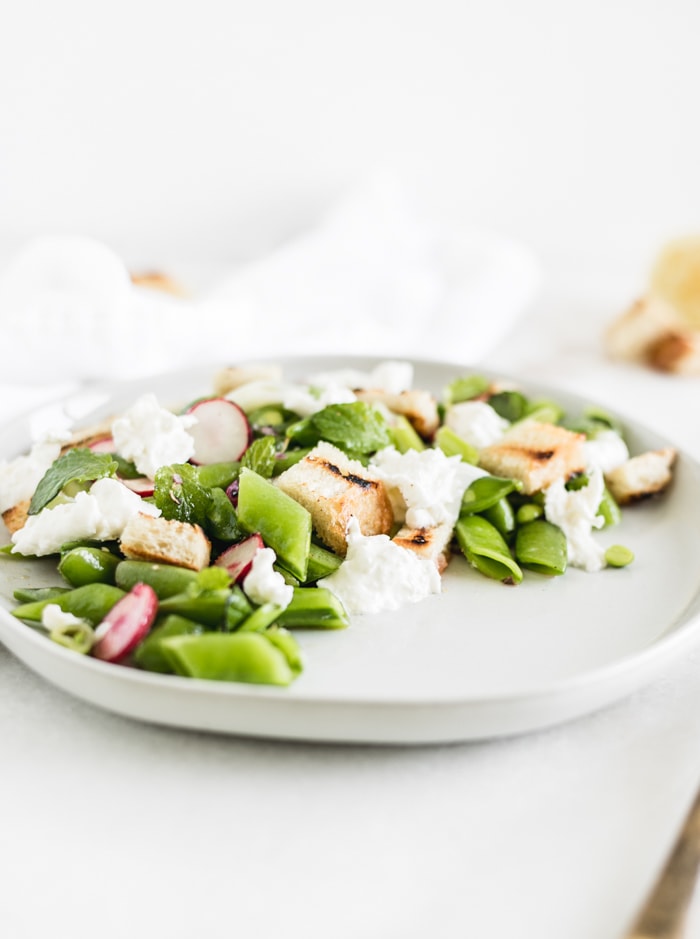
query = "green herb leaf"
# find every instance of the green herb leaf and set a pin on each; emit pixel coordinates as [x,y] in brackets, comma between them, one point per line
[261,456]
[76,466]
[179,495]
[357,428]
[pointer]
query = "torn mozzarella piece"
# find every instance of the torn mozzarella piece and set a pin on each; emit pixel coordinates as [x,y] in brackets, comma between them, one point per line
[606,451]
[152,436]
[263,584]
[576,513]
[379,575]
[100,514]
[476,422]
[425,486]
[20,477]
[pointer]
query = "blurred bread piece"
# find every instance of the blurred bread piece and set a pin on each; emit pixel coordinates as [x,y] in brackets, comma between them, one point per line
[16,517]
[641,476]
[155,280]
[653,333]
[165,541]
[228,379]
[675,278]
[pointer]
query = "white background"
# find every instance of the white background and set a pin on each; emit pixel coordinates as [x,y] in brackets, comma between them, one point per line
[212,130]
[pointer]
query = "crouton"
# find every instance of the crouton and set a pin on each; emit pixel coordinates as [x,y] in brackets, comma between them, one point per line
[88,436]
[632,334]
[165,541]
[677,352]
[16,517]
[156,280]
[418,407]
[641,476]
[332,487]
[228,379]
[676,278]
[536,454]
[432,543]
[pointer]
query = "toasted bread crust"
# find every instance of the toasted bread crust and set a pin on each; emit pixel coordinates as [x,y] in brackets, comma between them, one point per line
[165,541]
[642,476]
[156,280]
[16,517]
[431,543]
[536,454]
[333,488]
[228,379]
[417,406]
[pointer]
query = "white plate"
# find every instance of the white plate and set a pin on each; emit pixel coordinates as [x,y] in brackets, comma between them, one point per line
[480,660]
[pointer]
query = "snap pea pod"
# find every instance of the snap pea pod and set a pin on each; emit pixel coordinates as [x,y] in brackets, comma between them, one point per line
[322,562]
[208,607]
[486,492]
[484,548]
[218,475]
[287,644]
[501,516]
[260,618]
[528,512]
[222,521]
[78,637]
[248,657]
[544,412]
[541,546]
[88,565]
[167,580]
[464,389]
[452,445]
[510,405]
[149,654]
[314,608]
[404,436]
[289,458]
[284,525]
[609,509]
[91,602]
[31,594]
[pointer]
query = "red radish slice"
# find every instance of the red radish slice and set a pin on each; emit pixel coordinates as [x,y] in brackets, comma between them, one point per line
[238,559]
[126,624]
[222,432]
[103,445]
[142,485]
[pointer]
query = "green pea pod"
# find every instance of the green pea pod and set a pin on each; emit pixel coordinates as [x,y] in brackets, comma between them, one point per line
[260,618]
[284,525]
[322,562]
[207,607]
[238,609]
[78,637]
[404,436]
[510,405]
[464,389]
[288,645]
[166,579]
[86,565]
[453,445]
[609,509]
[222,521]
[528,512]
[484,548]
[31,594]
[149,654]
[501,517]
[247,657]
[486,492]
[288,458]
[218,475]
[91,602]
[541,546]
[544,412]
[314,608]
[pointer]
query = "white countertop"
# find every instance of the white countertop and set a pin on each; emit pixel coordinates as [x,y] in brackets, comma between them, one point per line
[116,828]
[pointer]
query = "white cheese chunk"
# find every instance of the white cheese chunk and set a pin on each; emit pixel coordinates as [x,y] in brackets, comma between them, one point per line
[425,487]
[100,514]
[476,422]
[263,584]
[53,617]
[576,513]
[379,575]
[606,451]
[20,477]
[392,377]
[152,436]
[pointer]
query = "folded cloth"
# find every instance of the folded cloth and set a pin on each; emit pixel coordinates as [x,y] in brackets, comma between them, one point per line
[370,278]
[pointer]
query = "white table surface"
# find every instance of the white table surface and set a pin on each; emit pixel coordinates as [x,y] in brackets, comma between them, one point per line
[113,828]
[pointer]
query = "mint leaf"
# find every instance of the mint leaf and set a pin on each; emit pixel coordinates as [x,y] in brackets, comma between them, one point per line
[357,428]
[261,456]
[179,495]
[79,465]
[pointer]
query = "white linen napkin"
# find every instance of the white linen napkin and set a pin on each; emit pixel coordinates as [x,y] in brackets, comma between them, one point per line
[370,278]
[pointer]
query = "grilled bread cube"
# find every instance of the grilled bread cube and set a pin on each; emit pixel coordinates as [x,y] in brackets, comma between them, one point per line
[641,476]
[228,379]
[16,517]
[165,541]
[332,487]
[432,543]
[418,407]
[536,454]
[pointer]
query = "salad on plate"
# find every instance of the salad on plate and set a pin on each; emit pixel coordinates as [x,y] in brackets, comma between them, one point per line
[198,542]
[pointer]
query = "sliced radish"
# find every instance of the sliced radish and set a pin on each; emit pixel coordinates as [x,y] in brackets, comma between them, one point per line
[142,485]
[238,559]
[103,445]
[126,624]
[222,432]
